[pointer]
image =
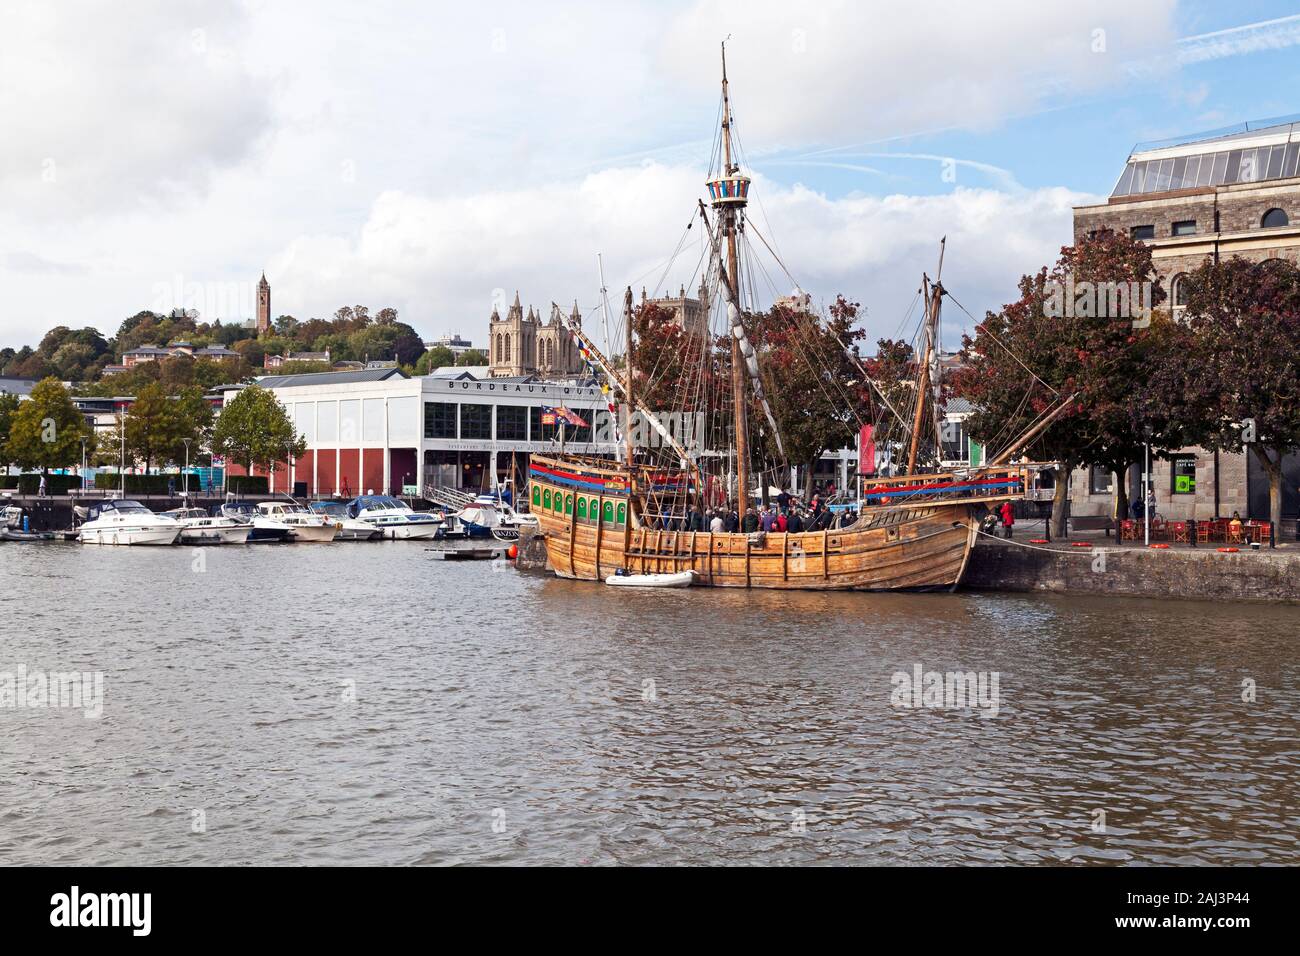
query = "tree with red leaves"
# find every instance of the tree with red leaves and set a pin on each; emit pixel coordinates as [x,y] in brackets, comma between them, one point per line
[813,386]
[1070,332]
[1244,379]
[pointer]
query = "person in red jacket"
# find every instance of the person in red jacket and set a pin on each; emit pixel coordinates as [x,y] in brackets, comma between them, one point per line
[781,523]
[1008,518]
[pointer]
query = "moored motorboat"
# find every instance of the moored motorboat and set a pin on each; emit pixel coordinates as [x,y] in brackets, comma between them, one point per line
[125,522]
[15,525]
[199,527]
[261,531]
[395,519]
[302,524]
[350,528]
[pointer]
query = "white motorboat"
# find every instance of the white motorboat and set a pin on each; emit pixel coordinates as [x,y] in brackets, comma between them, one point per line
[302,524]
[680,579]
[489,514]
[199,527]
[245,513]
[351,529]
[122,521]
[511,524]
[394,518]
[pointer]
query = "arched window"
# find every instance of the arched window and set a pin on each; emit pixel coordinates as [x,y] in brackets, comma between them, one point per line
[622,513]
[507,351]
[1180,291]
[582,508]
[609,512]
[1274,217]
[537,496]
[498,346]
[568,504]
[546,498]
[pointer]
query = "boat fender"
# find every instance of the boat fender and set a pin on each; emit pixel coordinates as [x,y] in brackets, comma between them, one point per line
[1160,546]
[1230,550]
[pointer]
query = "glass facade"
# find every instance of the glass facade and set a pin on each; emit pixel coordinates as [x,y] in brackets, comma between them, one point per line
[476,421]
[1216,168]
[512,423]
[439,420]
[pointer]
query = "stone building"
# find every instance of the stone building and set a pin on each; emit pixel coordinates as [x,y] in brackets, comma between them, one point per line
[1197,199]
[691,314]
[263,306]
[523,344]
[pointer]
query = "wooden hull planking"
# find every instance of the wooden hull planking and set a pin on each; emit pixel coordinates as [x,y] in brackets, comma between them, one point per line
[918,548]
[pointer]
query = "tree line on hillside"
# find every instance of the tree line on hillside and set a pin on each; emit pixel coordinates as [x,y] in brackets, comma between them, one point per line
[353,334]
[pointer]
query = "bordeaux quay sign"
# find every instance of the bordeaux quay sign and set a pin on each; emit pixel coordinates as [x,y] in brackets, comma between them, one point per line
[507,388]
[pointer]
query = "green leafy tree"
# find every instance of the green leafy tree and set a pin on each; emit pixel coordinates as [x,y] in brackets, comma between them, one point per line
[46,431]
[471,357]
[149,425]
[254,430]
[437,357]
[8,407]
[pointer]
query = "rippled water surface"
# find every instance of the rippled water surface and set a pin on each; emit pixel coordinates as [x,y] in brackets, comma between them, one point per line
[504,718]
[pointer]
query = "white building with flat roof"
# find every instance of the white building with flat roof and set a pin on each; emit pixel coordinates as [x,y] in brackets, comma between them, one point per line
[378,429]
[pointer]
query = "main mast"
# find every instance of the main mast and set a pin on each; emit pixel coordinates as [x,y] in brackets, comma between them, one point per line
[728,195]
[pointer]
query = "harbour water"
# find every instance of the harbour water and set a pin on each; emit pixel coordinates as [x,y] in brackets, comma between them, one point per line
[366,703]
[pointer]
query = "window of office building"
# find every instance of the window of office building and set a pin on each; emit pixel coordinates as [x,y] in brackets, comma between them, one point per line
[512,423]
[476,421]
[439,420]
[1100,480]
[1143,232]
[1184,227]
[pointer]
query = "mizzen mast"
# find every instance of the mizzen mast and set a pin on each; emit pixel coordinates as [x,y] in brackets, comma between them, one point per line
[728,194]
[934,296]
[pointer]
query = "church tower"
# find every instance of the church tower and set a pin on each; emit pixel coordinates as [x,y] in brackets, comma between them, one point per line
[263,306]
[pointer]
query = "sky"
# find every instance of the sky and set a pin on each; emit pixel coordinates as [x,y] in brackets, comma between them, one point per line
[437,157]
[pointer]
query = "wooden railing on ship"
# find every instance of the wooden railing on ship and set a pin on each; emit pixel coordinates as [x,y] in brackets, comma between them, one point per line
[950,487]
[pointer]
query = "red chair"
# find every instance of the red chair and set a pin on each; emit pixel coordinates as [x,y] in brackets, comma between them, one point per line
[1180,532]
[1129,530]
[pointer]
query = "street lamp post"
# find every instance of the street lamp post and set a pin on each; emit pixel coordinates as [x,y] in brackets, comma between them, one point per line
[185,492]
[1146,485]
[83,467]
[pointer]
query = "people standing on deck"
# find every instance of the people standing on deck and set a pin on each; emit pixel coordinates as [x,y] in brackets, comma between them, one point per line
[716,524]
[767,520]
[1008,514]
[794,524]
[750,523]
[782,522]
[731,522]
[783,500]
[696,522]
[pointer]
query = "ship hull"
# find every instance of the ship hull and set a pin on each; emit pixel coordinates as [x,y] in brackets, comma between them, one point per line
[922,548]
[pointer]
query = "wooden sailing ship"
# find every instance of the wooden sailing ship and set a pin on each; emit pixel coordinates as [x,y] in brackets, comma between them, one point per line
[914,531]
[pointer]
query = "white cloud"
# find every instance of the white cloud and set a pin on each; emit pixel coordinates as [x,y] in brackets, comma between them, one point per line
[445,261]
[848,70]
[107,107]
